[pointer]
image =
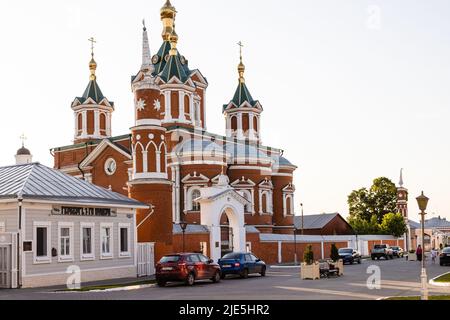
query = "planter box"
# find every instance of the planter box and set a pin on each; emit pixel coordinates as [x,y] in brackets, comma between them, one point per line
[311,271]
[340,265]
[412,257]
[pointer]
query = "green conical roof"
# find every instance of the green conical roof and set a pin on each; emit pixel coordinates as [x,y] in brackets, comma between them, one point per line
[93,91]
[174,68]
[242,95]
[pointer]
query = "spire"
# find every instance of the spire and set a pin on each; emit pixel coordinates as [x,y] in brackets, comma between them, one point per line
[241,66]
[168,14]
[92,63]
[401,178]
[146,54]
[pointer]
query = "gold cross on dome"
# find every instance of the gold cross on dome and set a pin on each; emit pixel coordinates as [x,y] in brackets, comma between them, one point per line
[92,41]
[241,45]
[23,138]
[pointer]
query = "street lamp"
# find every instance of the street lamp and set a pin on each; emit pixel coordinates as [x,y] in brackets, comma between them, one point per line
[295,244]
[301,205]
[183,226]
[422,201]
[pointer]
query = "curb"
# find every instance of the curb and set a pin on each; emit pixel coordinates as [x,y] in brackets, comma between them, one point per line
[285,267]
[129,288]
[439,284]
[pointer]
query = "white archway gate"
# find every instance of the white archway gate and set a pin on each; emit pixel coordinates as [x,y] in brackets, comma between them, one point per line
[214,202]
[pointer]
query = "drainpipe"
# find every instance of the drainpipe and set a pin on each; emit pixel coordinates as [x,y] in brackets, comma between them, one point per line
[19,243]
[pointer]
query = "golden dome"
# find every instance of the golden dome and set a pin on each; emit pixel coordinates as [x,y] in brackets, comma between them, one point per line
[168,14]
[92,68]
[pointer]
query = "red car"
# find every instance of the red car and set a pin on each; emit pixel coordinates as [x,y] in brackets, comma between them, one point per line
[187,268]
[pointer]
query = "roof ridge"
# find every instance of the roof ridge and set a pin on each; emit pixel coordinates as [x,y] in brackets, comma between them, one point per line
[32,166]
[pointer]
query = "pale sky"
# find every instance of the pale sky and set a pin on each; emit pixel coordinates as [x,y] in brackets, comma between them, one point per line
[352,89]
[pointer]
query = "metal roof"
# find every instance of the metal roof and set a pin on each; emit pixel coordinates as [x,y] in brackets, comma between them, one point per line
[191,228]
[433,223]
[314,221]
[38,182]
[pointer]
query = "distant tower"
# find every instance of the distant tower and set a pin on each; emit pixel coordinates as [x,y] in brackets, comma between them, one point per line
[93,110]
[150,183]
[23,155]
[242,113]
[402,208]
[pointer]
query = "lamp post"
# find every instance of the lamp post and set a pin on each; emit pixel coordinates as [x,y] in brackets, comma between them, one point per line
[295,244]
[301,205]
[183,226]
[422,201]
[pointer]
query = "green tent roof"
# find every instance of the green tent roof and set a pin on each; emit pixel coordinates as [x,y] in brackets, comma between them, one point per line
[174,68]
[92,91]
[242,95]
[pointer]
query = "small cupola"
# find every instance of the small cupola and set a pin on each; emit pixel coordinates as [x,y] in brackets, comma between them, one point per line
[23,155]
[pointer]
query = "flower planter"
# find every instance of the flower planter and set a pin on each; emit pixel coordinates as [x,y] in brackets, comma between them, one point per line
[412,257]
[340,264]
[310,271]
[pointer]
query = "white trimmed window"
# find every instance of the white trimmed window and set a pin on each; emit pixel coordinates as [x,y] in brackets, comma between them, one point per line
[2,226]
[65,241]
[192,194]
[87,241]
[288,204]
[248,208]
[106,240]
[42,242]
[124,240]
[265,202]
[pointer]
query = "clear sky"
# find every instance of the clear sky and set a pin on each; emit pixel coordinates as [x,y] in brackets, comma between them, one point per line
[352,89]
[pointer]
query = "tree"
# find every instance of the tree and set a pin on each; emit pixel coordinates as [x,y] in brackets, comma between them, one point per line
[334,255]
[367,207]
[393,224]
[308,255]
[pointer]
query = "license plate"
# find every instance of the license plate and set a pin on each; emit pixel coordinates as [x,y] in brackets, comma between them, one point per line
[227,265]
[167,268]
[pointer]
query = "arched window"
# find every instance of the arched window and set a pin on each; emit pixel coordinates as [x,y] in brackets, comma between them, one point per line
[234,123]
[264,202]
[80,123]
[255,124]
[248,207]
[289,205]
[245,123]
[195,195]
[103,124]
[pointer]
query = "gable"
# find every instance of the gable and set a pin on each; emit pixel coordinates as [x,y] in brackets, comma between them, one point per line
[100,149]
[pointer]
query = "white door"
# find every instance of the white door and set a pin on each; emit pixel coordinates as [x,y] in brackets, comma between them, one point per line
[146,259]
[5,266]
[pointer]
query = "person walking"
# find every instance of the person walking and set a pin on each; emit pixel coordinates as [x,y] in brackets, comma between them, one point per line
[419,252]
[434,254]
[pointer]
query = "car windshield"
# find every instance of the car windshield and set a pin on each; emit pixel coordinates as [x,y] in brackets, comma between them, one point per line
[232,255]
[167,259]
[446,250]
[345,251]
[395,248]
[380,246]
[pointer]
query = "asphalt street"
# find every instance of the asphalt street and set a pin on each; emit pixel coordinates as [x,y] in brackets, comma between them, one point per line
[398,278]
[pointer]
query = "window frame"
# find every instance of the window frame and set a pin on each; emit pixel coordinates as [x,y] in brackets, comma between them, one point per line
[42,259]
[70,256]
[110,255]
[87,256]
[125,254]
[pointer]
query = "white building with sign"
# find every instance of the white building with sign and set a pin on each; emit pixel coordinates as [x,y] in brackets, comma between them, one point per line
[56,229]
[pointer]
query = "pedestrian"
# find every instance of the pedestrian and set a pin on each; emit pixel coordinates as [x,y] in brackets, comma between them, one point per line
[419,253]
[434,255]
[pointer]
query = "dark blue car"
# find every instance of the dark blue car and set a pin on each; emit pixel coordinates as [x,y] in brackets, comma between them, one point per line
[241,264]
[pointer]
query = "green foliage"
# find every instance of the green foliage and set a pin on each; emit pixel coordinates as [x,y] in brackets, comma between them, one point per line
[334,255]
[377,201]
[367,207]
[308,255]
[393,224]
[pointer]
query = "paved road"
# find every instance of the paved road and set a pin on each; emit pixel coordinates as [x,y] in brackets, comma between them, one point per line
[398,278]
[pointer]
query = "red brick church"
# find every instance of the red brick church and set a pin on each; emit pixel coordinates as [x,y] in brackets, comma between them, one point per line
[229,189]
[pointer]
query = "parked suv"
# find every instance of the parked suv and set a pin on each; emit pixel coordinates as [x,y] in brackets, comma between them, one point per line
[187,268]
[382,250]
[349,255]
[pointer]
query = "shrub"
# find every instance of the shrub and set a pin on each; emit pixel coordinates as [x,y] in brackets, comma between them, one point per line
[308,255]
[334,253]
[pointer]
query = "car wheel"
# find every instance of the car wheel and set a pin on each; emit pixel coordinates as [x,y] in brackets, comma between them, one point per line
[373,258]
[161,283]
[190,280]
[441,264]
[244,274]
[359,261]
[217,277]
[263,272]
[223,276]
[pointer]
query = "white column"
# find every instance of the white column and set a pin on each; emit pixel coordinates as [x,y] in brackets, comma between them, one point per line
[191,109]
[322,250]
[76,125]
[108,124]
[280,260]
[158,161]
[185,200]
[177,175]
[239,124]
[84,133]
[145,161]
[260,202]
[174,211]
[284,205]
[251,133]
[181,104]
[253,201]
[168,110]
[96,123]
